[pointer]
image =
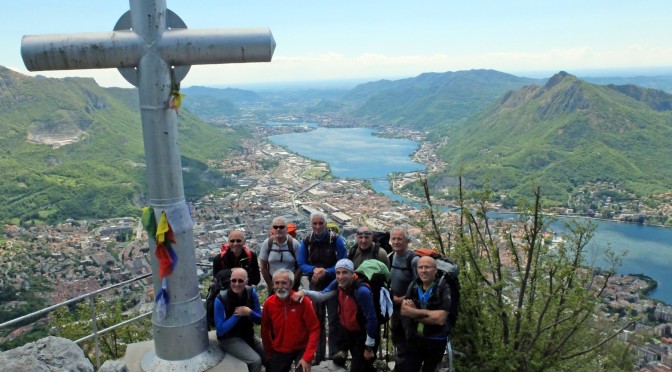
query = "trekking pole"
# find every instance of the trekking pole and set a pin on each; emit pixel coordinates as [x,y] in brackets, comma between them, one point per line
[449,350]
[387,341]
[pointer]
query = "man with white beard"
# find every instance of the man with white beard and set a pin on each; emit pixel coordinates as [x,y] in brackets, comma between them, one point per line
[289,329]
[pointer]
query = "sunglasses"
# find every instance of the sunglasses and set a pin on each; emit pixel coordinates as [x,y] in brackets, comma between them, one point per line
[364,233]
[279,227]
[235,241]
[237,280]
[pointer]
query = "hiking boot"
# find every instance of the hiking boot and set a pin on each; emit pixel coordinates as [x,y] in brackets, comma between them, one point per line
[339,358]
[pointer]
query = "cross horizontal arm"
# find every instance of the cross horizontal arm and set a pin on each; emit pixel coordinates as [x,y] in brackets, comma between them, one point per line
[88,50]
[181,47]
[123,49]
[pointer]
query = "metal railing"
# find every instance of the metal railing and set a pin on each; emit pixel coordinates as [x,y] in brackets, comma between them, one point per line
[90,296]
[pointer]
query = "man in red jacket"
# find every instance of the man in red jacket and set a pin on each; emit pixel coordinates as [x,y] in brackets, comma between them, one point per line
[289,329]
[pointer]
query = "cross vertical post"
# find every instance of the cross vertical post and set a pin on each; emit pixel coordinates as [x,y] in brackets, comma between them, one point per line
[153,49]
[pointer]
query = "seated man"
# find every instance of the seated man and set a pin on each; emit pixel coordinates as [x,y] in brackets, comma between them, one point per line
[289,329]
[424,315]
[359,331]
[236,311]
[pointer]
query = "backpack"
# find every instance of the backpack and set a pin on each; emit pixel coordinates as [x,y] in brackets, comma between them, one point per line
[333,237]
[225,248]
[290,246]
[447,273]
[375,275]
[221,282]
[383,240]
[223,295]
[373,252]
[333,227]
[291,229]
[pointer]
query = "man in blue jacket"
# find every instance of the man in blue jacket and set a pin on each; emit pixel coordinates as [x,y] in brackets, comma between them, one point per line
[317,256]
[237,310]
[359,330]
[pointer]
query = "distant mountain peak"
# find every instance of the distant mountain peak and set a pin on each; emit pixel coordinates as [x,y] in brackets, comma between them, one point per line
[558,78]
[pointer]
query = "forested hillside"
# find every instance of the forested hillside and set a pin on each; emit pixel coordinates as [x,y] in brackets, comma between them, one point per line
[72,149]
[563,134]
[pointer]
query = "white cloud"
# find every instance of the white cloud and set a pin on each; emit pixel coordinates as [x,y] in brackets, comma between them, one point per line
[331,66]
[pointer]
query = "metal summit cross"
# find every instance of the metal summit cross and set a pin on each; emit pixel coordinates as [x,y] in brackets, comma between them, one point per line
[153,50]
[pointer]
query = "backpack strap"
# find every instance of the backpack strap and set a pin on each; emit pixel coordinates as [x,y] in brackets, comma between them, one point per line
[409,261]
[290,246]
[226,248]
[249,253]
[249,301]
[333,238]
[353,250]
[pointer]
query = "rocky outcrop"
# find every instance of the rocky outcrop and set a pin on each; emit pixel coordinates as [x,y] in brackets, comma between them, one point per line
[47,354]
[113,366]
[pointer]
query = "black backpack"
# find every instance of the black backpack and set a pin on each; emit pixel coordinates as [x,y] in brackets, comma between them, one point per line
[383,240]
[221,282]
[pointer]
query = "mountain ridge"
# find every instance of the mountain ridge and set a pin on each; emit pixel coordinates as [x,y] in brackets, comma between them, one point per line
[562,135]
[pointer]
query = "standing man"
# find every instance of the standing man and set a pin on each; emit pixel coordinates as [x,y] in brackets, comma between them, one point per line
[402,273]
[366,249]
[318,255]
[289,329]
[424,314]
[280,251]
[237,310]
[235,254]
[359,331]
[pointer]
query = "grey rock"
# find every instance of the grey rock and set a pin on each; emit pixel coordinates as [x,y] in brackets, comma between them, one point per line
[47,354]
[113,366]
[328,366]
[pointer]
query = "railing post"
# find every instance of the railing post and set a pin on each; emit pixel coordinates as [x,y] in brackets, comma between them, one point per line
[92,305]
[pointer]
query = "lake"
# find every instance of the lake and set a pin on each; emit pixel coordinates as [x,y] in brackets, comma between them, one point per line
[356,153]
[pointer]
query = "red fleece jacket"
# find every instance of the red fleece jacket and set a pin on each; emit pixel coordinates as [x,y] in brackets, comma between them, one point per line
[290,326]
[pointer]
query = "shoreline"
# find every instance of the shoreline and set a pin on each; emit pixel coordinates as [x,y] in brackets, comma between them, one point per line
[425,145]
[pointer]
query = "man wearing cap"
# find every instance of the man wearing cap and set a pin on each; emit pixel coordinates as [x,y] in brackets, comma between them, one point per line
[358,331]
[235,254]
[280,251]
[366,249]
[236,313]
[424,315]
[289,329]
[319,252]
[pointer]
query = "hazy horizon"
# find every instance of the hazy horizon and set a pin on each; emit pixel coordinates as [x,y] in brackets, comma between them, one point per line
[375,40]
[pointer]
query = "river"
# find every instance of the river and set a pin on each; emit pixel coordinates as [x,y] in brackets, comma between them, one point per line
[357,153]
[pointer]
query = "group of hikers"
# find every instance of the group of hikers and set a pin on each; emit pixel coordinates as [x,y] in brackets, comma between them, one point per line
[343,305]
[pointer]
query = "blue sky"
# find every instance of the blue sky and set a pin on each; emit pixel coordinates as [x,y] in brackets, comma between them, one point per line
[373,39]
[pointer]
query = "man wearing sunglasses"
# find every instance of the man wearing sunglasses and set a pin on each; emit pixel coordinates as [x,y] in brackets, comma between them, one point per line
[235,254]
[319,252]
[366,249]
[280,251]
[237,310]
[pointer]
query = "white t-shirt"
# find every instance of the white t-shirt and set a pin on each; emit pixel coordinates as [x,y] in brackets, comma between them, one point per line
[279,256]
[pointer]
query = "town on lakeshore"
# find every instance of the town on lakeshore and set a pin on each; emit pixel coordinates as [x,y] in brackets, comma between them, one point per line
[78,257]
